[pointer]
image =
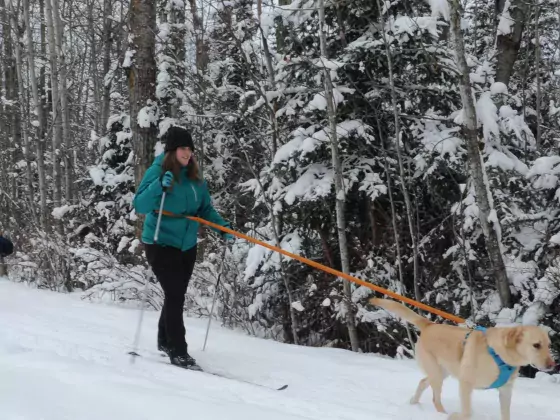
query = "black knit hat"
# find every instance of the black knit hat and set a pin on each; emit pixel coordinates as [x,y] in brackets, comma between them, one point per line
[176,137]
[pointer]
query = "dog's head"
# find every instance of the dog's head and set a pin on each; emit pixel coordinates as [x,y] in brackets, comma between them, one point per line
[532,344]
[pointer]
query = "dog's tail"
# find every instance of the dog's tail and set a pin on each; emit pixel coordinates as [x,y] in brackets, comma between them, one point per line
[402,311]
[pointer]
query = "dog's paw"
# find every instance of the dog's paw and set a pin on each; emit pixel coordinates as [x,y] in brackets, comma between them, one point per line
[456,416]
[414,401]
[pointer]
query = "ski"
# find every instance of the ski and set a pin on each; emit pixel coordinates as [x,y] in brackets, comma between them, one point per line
[197,368]
[220,375]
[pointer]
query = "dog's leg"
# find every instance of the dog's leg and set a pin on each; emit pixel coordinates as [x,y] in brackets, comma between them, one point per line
[505,400]
[436,382]
[435,376]
[467,376]
[422,386]
[465,393]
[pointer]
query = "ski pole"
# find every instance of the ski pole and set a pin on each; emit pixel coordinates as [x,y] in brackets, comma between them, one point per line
[215,295]
[134,352]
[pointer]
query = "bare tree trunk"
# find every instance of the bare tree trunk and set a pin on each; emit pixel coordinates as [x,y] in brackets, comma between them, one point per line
[201,50]
[538,73]
[273,107]
[106,106]
[176,18]
[281,31]
[24,113]
[4,211]
[57,132]
[339,188]
[508,44]
[10,79]
[40,149]
[64,109]
[487,214]
[142,82]
[201,57]
[42,74]
[98,127]
[407,200]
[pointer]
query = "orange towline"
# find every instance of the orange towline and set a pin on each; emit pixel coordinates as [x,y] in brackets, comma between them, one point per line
[326,269]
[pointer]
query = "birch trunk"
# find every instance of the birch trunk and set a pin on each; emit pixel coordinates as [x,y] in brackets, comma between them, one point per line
[8,84]
[37,103]
[483,199]
[42,73]
[57,132]
[201,65]
[13,115]
[273,107]
[3,158]
[24,113]
[538,73]
[98,127]
[64,110]
[177,20]
[106,105]
[339,189]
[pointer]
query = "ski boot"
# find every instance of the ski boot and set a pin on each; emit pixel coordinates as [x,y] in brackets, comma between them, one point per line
[184,361]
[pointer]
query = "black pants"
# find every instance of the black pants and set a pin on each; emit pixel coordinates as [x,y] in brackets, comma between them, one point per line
[173,269]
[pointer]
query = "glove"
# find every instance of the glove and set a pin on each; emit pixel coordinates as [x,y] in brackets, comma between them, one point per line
[167,179]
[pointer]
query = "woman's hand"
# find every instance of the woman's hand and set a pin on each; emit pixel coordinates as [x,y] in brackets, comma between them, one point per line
[167,179]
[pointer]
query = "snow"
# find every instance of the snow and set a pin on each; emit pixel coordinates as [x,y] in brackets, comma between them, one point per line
[440,7]
[267,21]
[534,314]
[487,114]
[544,172]
[308,139]
[314,183]
[506,21]
[407,26]
[60,212]
[254,259]
[65,358]
[498,88]
[148,115]
[128,57]
[123,243]
[319,102]
[555,239]
[438,138]
[298,306]
[97,174]
[325,63]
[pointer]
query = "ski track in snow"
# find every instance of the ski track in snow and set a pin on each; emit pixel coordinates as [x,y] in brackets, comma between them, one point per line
[63,358]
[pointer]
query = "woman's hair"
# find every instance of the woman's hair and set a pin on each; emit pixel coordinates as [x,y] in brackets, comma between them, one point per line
[170,163]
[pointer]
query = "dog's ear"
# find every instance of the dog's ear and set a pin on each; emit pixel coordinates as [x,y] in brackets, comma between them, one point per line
[514,336]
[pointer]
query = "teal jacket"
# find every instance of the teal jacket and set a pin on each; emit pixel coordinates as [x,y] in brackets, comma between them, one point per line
[186,198]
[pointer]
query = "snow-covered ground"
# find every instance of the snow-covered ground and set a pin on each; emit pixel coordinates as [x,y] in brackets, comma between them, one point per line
[62,358]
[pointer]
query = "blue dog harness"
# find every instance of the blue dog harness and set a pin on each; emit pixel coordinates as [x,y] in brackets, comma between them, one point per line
[505,370]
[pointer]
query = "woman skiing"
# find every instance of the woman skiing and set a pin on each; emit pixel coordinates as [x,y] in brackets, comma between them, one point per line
[173,257]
